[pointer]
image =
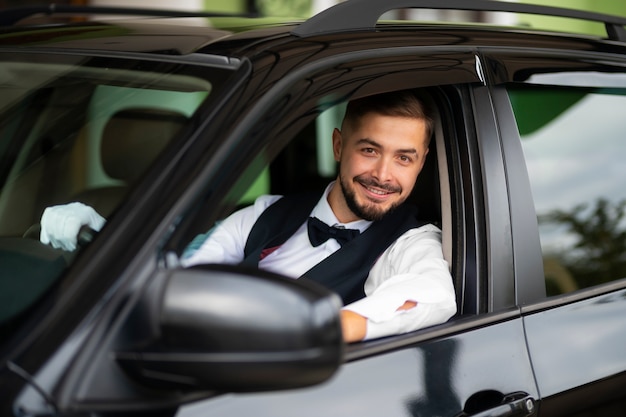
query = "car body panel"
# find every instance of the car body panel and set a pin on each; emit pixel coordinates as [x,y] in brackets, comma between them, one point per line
[576,349]
[437,377]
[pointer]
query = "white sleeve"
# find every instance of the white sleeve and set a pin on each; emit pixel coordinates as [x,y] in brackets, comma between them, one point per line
[225,242]
[412,269]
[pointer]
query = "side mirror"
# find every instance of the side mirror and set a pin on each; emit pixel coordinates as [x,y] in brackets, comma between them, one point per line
[224,328]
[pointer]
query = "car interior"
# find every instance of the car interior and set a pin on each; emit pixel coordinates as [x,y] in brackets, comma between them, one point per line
[130,140]
[57,171]
[289,172]
[123,156]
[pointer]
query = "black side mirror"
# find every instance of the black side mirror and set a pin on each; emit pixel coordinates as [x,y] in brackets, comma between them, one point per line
[227,329]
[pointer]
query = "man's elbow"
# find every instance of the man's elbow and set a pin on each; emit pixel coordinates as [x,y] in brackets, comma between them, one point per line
[444,309]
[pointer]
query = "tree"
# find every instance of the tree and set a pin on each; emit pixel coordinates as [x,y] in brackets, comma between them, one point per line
[598,254]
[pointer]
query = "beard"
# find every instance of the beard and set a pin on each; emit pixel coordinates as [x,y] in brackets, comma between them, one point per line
[369,210]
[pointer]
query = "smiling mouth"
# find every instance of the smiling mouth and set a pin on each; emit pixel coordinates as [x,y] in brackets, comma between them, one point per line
[377,190]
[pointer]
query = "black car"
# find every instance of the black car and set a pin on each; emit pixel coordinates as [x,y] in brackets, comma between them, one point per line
[167,127]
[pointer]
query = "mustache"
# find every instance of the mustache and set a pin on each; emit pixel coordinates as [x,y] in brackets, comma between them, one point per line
[371,182]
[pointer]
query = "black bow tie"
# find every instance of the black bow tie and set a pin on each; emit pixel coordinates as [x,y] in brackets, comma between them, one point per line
[320,232]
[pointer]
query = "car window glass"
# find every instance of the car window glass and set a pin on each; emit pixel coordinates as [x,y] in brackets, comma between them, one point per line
[573,143]
[77,130]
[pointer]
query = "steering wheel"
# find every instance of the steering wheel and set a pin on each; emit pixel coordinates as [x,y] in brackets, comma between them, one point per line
[85,234]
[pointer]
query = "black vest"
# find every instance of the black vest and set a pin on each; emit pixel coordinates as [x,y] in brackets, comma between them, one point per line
[346,270]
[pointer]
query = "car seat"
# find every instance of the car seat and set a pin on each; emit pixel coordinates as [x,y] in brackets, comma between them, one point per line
[131,140]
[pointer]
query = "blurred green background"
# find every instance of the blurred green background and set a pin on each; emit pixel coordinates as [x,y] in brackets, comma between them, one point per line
[305,8]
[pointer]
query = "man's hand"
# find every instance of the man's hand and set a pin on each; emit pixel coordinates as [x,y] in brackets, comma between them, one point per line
[353,325]
[60,224]
[408,304]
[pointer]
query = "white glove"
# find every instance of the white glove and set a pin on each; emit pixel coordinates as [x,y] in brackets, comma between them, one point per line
[60,224]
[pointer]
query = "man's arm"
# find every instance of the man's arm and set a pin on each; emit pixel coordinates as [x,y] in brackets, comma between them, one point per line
[225,243]
[354,326]
[409,287]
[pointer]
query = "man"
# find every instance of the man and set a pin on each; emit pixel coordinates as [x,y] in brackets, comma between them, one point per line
[390,271]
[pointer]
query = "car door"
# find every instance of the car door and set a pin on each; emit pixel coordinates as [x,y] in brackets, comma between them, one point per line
[569,111]
[477,362]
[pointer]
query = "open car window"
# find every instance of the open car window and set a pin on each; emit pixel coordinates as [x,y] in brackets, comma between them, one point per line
[306,163]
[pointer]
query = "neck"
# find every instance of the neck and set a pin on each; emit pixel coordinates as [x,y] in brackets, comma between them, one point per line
[338,205]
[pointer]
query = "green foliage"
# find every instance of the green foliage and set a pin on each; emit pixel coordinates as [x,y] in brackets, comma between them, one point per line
[289,8]
[598,254]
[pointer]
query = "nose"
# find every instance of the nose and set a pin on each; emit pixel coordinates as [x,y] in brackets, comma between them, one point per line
[382,170]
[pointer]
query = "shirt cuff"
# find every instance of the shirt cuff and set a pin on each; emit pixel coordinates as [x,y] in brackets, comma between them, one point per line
[386,328]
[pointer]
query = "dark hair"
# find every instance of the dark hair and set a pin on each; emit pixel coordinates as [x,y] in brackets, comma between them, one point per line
[403,103]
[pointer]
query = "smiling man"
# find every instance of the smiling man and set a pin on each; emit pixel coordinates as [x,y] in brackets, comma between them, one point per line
[387,266]
[359,238]
[381,149]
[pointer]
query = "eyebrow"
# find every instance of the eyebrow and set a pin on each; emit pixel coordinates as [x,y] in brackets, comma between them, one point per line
[375,144]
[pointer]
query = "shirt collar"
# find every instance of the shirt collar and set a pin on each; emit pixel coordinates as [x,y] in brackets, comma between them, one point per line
[323,212]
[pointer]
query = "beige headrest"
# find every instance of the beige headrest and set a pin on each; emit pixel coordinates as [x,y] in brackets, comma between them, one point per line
[132,139]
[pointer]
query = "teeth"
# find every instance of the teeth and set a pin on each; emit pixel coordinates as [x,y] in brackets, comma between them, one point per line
[379,192]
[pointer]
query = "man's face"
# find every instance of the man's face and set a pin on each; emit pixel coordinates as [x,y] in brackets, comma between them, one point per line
[379,161]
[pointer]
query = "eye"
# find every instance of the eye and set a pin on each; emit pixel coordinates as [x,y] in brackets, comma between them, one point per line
[405,159]
[368,150]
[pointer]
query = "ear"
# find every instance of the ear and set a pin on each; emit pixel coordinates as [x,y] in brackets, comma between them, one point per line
[423,160]
[337,142]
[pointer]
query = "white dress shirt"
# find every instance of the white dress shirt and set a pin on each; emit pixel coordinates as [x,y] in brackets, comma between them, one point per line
[411,269]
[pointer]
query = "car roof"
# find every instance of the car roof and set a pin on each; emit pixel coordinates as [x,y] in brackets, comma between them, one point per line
[180,33]
[154,36]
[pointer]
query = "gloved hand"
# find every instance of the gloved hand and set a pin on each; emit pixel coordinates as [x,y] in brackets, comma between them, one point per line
[60,224]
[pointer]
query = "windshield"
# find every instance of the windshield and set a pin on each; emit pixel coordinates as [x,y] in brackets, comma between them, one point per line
[75,128]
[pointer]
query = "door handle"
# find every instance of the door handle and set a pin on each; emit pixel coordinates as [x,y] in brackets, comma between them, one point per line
[516,404]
